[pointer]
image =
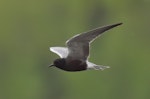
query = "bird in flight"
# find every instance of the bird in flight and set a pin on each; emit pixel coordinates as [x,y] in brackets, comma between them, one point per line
[75,56]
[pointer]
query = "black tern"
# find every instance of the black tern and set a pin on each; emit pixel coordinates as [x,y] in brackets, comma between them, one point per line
[75,56]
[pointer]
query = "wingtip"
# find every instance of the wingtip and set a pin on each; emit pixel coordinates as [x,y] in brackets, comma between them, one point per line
[108,27]
[50,49]
[117,24]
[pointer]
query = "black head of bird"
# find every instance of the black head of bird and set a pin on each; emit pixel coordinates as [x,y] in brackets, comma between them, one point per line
[74,57]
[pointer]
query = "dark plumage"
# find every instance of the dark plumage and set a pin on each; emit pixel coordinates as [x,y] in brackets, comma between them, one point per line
[74,57]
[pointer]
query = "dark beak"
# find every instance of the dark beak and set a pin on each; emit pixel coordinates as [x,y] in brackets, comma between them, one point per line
[51,65]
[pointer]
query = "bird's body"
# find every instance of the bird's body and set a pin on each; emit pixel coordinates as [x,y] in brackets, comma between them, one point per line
[74,57]
[74,65]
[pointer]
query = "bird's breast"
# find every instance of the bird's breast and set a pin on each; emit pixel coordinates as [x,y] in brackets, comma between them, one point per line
[76,65]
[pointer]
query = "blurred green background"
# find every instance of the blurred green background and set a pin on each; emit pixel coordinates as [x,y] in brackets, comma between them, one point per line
[29,27]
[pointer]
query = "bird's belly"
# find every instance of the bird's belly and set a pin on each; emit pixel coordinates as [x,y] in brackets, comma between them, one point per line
[76,65]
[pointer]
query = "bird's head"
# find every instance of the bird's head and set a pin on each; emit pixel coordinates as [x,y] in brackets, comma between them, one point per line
[58,62]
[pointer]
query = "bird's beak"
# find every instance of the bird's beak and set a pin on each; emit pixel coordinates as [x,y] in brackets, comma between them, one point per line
[51,65]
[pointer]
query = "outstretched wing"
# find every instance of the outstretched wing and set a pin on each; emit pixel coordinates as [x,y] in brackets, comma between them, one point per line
[78,46]
[61,51]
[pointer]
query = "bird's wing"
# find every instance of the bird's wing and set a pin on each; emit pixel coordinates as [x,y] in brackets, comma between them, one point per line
[78,46]
[61,51]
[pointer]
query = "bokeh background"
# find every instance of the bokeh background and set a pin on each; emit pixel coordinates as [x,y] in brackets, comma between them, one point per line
[29,27]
